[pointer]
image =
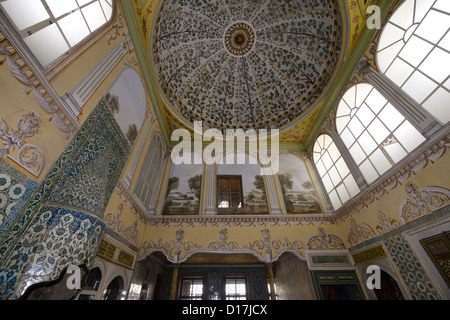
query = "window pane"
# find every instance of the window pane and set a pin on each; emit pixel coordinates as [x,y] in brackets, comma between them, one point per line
[415,50]
[74,27]
[19,11]
[395,151]
[47,44]
[368,171]
[434,26]
[399,71]
[408,136]
[59,7]
[94,15]
[335,201]
[380,162]
[352,186]
[343,194]
[107,8]
[434,64]
[419,86]
[378,131]
[367,143]
[391,117]
[438,105]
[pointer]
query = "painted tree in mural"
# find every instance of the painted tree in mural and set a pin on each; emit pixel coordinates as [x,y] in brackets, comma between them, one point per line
[259,185]
[132,133]
[113,102]
[286,184]
[195,184]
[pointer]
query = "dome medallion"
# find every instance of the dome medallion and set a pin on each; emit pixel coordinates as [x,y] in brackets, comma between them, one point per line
[244,64]
[239,39]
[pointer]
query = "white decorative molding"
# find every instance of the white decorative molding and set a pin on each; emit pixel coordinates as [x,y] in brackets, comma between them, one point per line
[29,156]
[421,202]
[323,241]
[266,250]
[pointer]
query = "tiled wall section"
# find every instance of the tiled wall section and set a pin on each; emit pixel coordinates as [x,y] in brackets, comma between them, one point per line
[56,239]
[61,223]
[411,270]
[15,189]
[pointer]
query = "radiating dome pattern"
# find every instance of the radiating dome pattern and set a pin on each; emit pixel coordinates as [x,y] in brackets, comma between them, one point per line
[245,64]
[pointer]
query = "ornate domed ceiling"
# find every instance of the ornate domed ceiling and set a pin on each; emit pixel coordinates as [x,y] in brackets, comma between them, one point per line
[247,63]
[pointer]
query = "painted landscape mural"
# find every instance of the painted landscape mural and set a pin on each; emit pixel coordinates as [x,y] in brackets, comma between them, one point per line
[252,189]
[296,185]
[184,189]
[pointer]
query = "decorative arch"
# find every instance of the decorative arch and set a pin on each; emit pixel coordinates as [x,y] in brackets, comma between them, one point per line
[127,100]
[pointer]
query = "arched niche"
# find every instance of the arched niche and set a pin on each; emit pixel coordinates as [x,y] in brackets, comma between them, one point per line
[298,190]
[127,101]
[241,173]
[184,187]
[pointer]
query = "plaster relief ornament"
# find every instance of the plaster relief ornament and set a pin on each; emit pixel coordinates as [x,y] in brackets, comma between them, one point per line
[29,156]
[244,64]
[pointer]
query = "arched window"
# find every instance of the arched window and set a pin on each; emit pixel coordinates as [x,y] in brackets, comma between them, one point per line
[375,133]
[414,52]
[151,172]
[51,28]
[114,291]
[336,177]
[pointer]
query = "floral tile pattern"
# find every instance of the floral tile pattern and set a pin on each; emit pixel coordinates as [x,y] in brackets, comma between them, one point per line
[15,190]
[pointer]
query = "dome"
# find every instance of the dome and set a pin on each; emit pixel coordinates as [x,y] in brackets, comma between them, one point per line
[244,64]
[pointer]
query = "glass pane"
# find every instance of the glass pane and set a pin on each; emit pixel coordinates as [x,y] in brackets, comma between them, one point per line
[436,65]
[334,175]
[367,143]
[391,117]
[434,26]
[419,86]
[343,194]
[415,50]
[356,127]
[19,11]
[365,115]
[362,91]
[421,9]
[352,186]
[445,42]
[74,27]
[391,34]
[395,151]
[438,105]
[380,161]
[335,200]
[334,152]
[399,71]
[59,7]
[342,168]
[378,131]
[443,5]
[320,168]
[386,56]
[94,15]
[357,153]
[347,137]
[83,2]
[47,44]
[376,101]
[107,8]
[404,14]
[408,136]
[368,171]
[327,183]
